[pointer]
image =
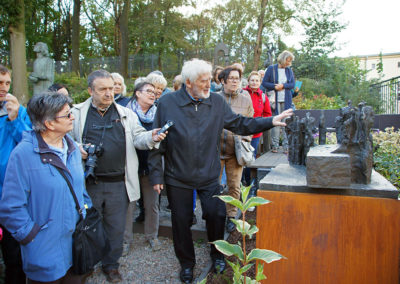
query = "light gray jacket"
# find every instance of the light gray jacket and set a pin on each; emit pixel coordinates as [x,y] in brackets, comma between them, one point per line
[136,137]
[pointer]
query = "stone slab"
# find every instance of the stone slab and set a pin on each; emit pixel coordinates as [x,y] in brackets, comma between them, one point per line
[326,169]
[293,179]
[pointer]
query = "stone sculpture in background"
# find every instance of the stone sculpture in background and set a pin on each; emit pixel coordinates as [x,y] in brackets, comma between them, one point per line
[43,69]
[300,135]
[339,121]
[356,141]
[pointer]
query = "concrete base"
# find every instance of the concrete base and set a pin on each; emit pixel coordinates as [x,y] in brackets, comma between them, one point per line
[327,169]
[293,179]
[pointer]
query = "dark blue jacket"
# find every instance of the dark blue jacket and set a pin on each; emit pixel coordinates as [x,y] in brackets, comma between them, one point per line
[270,80]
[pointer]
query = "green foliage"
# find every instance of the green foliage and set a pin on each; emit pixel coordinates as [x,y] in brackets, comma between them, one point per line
[336,77]
[387,154]
[76,85]
[245,262]
[318,102]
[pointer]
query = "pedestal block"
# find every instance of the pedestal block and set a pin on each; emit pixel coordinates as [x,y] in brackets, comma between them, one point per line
[329,235]
[327,169]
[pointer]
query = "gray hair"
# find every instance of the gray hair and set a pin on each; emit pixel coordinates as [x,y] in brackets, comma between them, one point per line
[155,79]
[192,69]
[139,80]
[45,106]
[284,56]
[119,76]
[97,74]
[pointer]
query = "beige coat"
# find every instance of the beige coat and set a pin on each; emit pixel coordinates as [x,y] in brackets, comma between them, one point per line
[240,103]
[136,137]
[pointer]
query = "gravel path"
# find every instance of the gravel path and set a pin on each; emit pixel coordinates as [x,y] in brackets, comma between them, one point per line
[142,265]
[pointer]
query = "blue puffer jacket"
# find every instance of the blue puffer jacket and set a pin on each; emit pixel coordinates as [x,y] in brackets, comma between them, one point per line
[38,208]
[10,135]
[270,80]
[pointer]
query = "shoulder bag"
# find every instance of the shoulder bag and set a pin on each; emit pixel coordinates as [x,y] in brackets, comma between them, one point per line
[244,151]
[89,241]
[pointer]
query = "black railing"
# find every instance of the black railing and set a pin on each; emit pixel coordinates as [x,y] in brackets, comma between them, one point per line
[389,91]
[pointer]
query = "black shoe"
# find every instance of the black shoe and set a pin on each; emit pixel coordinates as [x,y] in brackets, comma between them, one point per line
[219,265]
[186,275]
[140,217]
[230,226]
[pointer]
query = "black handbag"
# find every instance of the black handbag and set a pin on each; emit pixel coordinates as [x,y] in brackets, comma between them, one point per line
[89,241]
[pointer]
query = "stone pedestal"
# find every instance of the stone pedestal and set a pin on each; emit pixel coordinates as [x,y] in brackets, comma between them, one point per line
[327,169]
[329,235]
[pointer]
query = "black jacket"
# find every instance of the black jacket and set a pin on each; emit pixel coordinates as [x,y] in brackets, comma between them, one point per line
[191,149]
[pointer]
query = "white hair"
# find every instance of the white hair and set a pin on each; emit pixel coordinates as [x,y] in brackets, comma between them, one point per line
[284,56]
[192,69]
[155,79]
[119,76]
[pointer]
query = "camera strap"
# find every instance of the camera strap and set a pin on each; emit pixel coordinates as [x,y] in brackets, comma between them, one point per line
[107,125]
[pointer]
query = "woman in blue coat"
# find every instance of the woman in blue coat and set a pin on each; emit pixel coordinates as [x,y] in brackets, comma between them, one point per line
[37,206]
[279,78]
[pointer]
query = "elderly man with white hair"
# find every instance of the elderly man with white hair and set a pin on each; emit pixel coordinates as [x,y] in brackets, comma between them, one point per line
[191,158]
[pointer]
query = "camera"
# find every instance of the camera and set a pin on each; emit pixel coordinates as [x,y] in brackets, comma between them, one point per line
[94,152]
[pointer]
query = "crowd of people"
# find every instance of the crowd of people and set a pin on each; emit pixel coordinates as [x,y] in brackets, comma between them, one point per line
[110,149]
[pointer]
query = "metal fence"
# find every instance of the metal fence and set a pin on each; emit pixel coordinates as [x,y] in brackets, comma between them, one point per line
[138,65]
[389,92]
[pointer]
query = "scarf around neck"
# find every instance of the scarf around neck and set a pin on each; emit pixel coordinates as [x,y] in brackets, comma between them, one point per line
[147,117]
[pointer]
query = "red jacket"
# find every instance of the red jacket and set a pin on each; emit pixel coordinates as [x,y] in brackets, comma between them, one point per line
[261,108]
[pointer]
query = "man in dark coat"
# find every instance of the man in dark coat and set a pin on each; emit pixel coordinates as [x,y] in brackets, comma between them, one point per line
[191,155]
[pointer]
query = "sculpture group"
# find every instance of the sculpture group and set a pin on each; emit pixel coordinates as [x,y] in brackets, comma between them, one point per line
[352,126]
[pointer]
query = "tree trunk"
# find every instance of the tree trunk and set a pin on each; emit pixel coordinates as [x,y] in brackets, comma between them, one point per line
[75,36]
[125,38]
[258,47]
[18,54]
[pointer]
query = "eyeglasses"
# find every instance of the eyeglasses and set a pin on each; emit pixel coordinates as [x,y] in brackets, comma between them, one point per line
[233,79]
[148,91]
[69,115]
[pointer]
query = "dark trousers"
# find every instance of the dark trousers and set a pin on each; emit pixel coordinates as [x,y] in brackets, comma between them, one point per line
[12,259]
[214,212]
[111,200]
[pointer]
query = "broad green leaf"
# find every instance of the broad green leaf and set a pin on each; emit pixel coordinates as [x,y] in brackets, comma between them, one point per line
[252,231]
[204,281]
[260,272]
[254,201]
[245,268]
[229,249]
[242,227]
[245,192]
[265,255]
[230,200]
[249,280]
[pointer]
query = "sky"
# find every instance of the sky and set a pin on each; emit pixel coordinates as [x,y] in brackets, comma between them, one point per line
[373,27]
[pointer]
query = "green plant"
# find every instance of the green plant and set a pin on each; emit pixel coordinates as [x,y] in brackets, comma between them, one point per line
[387,154]
[245,261]
[318,102]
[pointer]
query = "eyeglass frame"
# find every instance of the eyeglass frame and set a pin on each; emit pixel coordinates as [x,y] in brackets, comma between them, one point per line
[234,79]
[148,92]
[68,115]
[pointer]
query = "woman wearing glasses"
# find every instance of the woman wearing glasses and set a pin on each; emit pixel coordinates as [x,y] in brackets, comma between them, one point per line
[37,206]
[240,103]
[142,103]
